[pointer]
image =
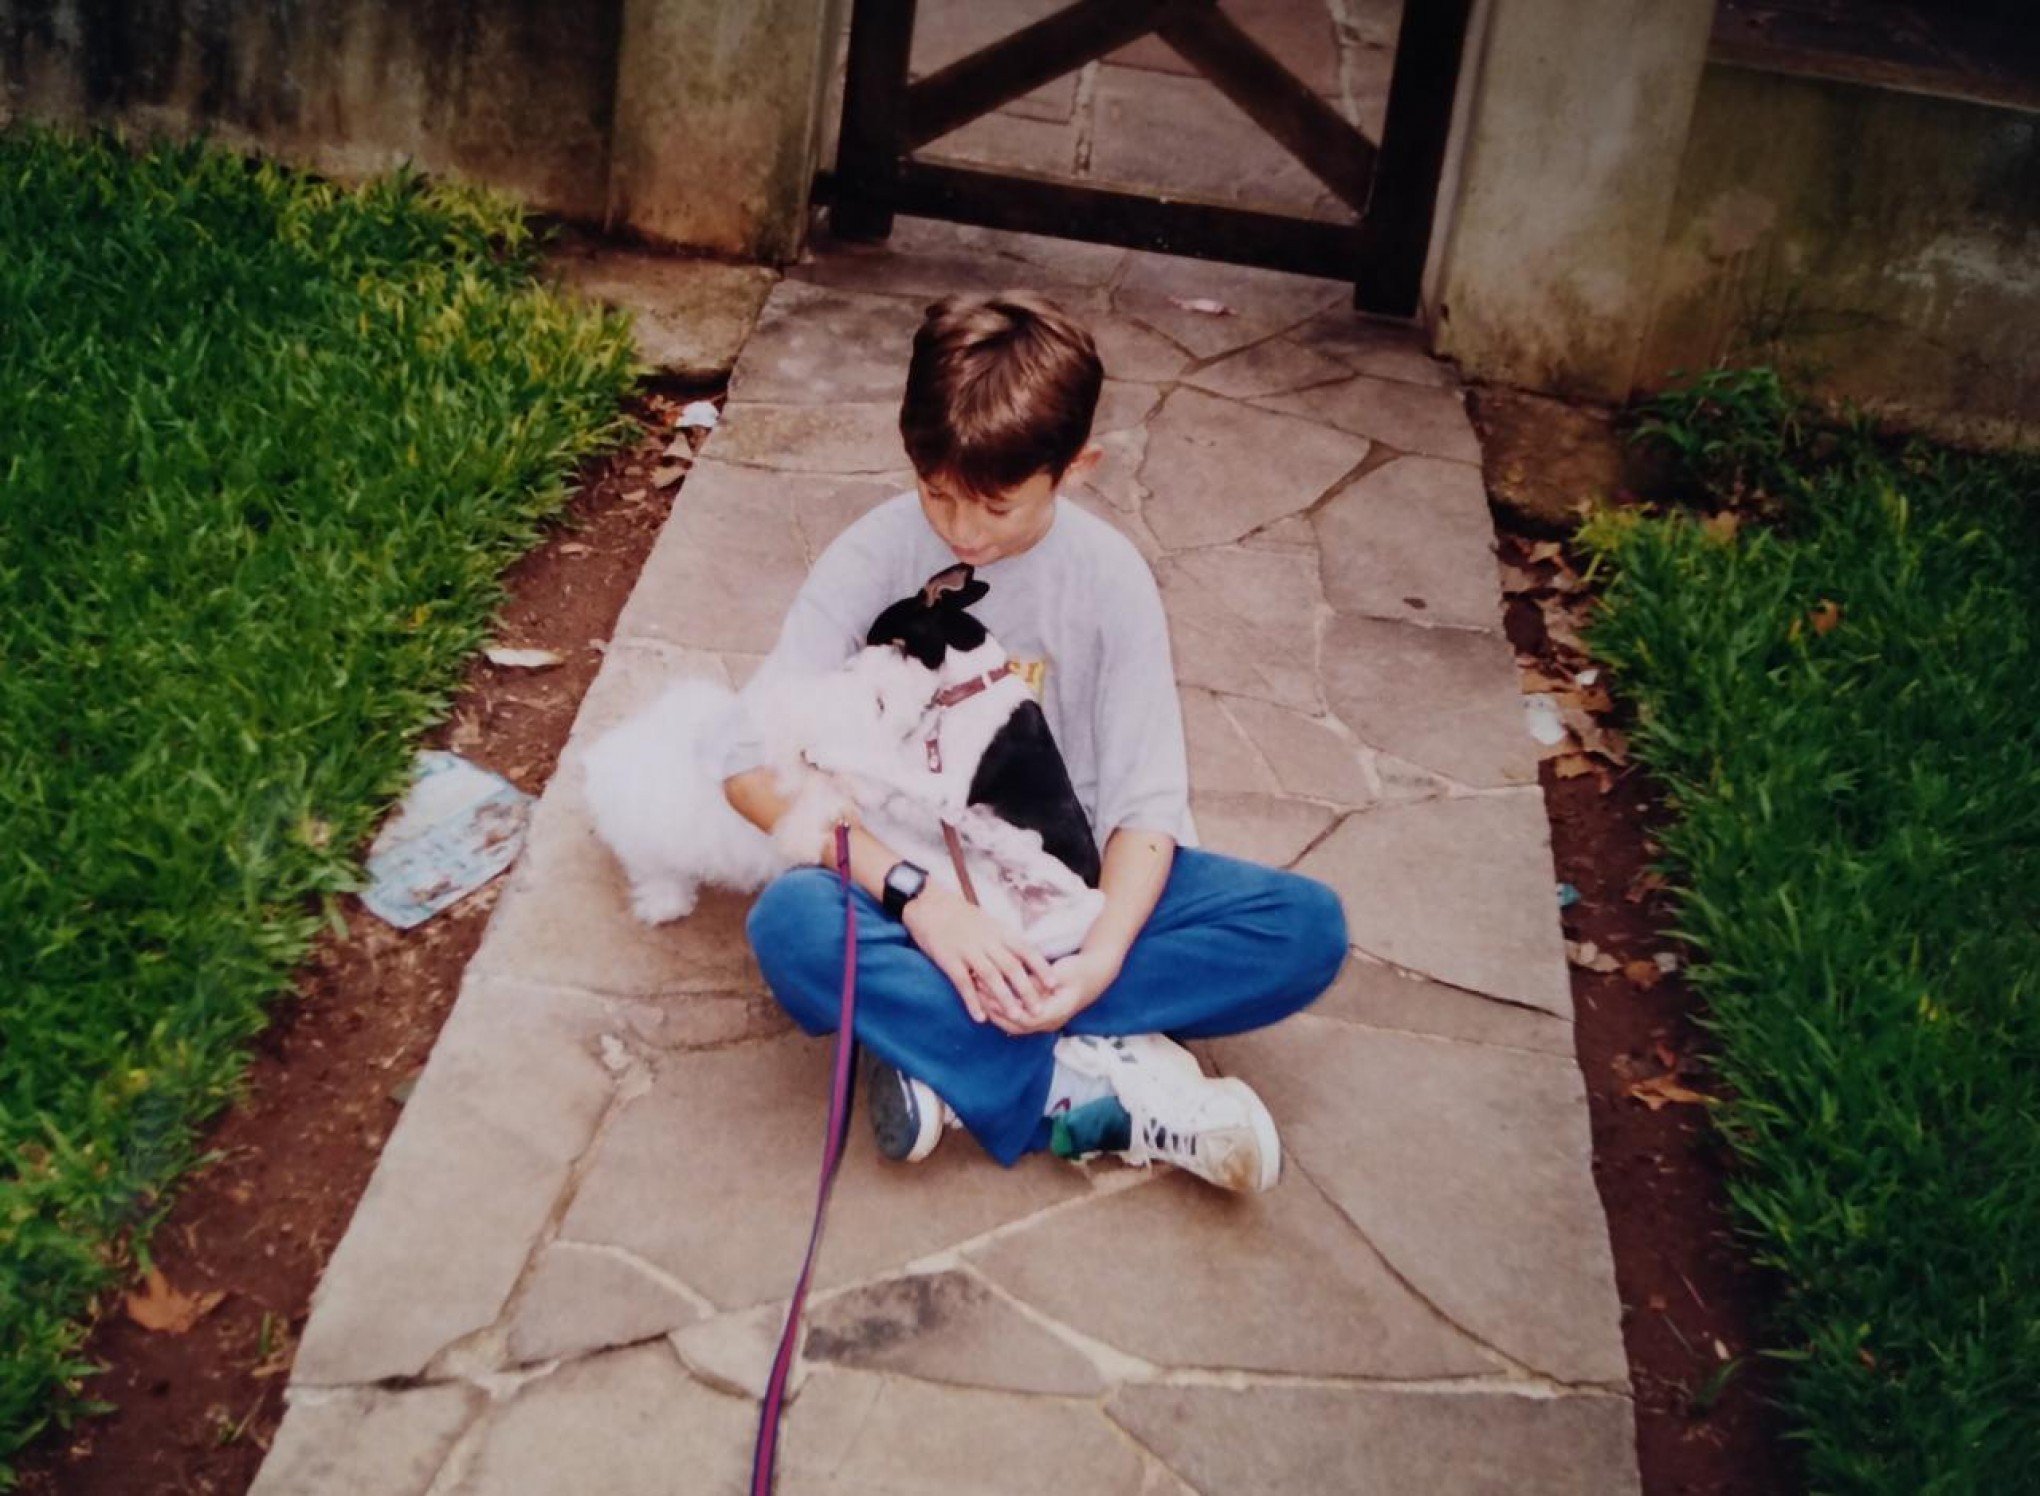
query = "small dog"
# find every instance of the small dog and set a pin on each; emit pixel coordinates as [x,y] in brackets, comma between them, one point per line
[927,727]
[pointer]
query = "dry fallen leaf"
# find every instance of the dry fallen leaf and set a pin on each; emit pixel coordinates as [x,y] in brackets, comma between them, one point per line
[1723,526]
[1572,765]
[1559,626]
[1548,550]
[1643,885]
[1590,957]
[1825,618]
[160,1307]
[1643,975]
[667,476]
[1663,1090]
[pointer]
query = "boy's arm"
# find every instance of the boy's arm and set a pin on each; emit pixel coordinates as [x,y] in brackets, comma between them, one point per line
[1001,979]
[1134,872]
[1143,788]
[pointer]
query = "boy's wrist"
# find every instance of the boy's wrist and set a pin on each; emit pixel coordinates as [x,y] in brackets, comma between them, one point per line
[1106,951]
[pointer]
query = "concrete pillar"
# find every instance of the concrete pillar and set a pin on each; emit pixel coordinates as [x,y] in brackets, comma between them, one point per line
[714,137]
[1567,162]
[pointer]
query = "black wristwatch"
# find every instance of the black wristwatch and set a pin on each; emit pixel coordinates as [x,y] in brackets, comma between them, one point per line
[903,883]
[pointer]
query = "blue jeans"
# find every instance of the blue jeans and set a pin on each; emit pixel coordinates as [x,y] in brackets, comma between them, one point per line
[1230,946]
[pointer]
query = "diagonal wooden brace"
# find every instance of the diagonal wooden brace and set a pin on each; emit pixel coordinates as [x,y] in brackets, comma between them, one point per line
[1002,72]
[1304,124]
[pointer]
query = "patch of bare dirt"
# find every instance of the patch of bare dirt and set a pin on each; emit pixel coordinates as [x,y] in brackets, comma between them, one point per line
[1693,1304]
[194,1406]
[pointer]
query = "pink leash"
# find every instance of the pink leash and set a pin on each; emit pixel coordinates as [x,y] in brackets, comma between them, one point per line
[841,1084]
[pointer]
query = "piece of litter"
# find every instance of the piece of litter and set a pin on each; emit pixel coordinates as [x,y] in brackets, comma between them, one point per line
[574,548]
[1586,677]
[1541,717]
[699,415]
[1204,306]
[458,827]
[1667,961]
[615,1054]
[523,659]
[1567,896]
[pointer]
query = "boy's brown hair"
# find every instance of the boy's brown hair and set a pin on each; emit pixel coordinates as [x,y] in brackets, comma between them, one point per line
[999,388]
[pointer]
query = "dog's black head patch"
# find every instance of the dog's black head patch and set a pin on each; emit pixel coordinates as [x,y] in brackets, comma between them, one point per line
[933,621]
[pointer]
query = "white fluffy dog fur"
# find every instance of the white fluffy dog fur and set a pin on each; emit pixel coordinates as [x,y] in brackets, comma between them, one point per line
[852,741]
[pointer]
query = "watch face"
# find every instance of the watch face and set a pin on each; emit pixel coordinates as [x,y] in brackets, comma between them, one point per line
[903,880]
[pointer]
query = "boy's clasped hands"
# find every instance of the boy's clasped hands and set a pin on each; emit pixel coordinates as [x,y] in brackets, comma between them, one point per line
[1002,980]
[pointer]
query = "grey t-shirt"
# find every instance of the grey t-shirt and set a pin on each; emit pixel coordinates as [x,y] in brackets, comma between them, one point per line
[1080,606]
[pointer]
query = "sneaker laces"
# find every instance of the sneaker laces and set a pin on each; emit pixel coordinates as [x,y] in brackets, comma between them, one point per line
[1169,1127]
[1167,1095]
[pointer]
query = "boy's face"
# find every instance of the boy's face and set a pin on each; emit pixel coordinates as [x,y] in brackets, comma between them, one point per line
[982,529]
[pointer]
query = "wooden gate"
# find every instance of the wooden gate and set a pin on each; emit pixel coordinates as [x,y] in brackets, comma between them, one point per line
[1391,184]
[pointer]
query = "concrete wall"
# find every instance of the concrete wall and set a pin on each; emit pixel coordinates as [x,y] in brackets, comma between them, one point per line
[1618,207]
[1882,245]
[691,121]
[1564,183]
[716,121]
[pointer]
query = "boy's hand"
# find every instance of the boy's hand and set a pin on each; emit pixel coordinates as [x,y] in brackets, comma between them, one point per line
[1000,977]
[1078,981]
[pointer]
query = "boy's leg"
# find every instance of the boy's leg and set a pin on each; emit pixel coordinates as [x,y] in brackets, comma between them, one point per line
[907,1012]
[1230,946]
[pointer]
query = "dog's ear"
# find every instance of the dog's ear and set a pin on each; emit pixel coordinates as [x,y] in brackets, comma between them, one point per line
[938,589]
[913,629]
[955,589]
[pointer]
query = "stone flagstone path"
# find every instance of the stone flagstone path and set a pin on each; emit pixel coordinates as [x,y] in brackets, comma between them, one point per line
[569,1266]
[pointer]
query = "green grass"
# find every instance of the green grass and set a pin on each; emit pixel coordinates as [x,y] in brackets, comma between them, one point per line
[1857,840]
[265,447]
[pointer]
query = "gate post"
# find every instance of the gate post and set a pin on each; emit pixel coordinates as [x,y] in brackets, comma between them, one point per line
[1577,118]
[1395,232]
[712,144]
[874,118]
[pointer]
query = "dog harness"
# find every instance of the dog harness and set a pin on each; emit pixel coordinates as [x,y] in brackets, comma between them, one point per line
[949,696]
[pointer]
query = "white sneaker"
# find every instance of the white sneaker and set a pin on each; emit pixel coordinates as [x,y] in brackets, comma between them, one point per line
[1211,1126]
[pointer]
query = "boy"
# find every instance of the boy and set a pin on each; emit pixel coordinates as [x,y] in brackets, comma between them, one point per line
[953,1008]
